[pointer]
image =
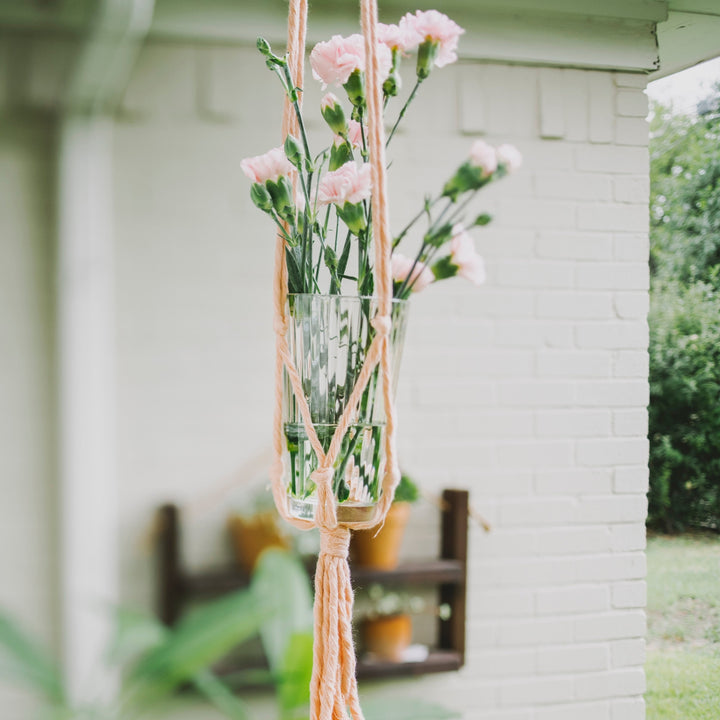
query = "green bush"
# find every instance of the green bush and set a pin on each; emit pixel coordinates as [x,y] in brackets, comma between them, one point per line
[684,406]
[685,317]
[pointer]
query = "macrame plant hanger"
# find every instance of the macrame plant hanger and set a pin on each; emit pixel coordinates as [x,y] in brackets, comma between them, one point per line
[333,688]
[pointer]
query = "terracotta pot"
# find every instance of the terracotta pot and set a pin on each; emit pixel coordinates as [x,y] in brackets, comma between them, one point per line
[387,638]
[252,535]
[382,550]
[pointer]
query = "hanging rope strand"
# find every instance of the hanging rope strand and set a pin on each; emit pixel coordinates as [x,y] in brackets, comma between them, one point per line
[333,687]
[382,241]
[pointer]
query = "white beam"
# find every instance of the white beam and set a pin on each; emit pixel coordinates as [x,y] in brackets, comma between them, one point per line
[86,345]
[89,575]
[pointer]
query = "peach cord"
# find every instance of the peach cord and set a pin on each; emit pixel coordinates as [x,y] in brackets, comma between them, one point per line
[333,688]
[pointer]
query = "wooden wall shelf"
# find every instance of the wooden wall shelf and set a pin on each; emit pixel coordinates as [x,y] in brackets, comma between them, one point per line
[448,572]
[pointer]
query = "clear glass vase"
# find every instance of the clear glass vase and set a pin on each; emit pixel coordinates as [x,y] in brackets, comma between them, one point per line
[328,338]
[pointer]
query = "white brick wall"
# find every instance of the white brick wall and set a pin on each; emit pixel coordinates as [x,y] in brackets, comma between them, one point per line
[530,391]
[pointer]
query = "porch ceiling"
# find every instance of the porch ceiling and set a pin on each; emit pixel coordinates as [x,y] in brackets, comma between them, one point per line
[690,35]
[658,37]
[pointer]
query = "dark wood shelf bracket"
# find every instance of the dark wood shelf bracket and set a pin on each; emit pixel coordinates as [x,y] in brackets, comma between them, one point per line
[449,572]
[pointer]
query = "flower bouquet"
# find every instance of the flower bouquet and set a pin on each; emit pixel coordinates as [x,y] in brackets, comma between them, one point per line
[320,203]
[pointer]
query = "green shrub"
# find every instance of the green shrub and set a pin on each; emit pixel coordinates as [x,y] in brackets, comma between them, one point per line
[684,406]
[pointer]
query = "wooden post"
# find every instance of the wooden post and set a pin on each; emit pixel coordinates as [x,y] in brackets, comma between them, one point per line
[170,596]
[453,546]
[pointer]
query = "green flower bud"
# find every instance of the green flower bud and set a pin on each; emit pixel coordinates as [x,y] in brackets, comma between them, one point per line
[467,177]
[331,259]
[293,152]
[340,154]
[353,216]
[439,237]
[334,115]
[281,193]
[355,88]
[264,47]
[427,52]
[392,85]
[482,219]
[261,197]
[444,268]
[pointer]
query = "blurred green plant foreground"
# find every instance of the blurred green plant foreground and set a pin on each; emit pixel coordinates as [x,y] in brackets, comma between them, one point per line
[156,661]
[685,318]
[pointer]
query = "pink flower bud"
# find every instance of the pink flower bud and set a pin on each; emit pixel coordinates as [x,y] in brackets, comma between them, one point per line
[462,254]
[510,157]
[398,37]
[483,155]
[434,27]
[421,277]
[329,100]
[355,133]
[270,166]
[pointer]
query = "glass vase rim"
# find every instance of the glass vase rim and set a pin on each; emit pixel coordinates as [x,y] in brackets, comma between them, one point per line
[327,296]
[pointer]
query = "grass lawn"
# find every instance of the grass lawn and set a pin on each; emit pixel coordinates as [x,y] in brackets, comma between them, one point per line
[683,657]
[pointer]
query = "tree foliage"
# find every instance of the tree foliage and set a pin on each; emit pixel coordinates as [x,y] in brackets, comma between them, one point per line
[685,192]
[685,317]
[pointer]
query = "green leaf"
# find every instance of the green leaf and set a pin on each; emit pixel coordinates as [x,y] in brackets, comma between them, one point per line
[444,268]
[22,659]
[281,584]
[294,680]
[220,696]
[135,634]
[344,256]
[201,638]
[295,283]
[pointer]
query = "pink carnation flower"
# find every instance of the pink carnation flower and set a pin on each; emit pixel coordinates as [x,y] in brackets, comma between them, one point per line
[329,101]
[350,183]
[483,155]
[398,37]
[421,277]
[436,27]
[462,254]
[355,133]
[335,60]
[510,157]
[269,166]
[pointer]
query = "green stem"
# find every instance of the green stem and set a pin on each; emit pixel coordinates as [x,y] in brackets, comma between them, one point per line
[402,112]
[405,286]
[364,151]
[278,222]
[292,94]
[436,223]
[407,228]
[461,207]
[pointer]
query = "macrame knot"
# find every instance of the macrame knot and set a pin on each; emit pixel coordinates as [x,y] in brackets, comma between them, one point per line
[325,515]
[382,324]
[323,476]
[335,543]
[280,324]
